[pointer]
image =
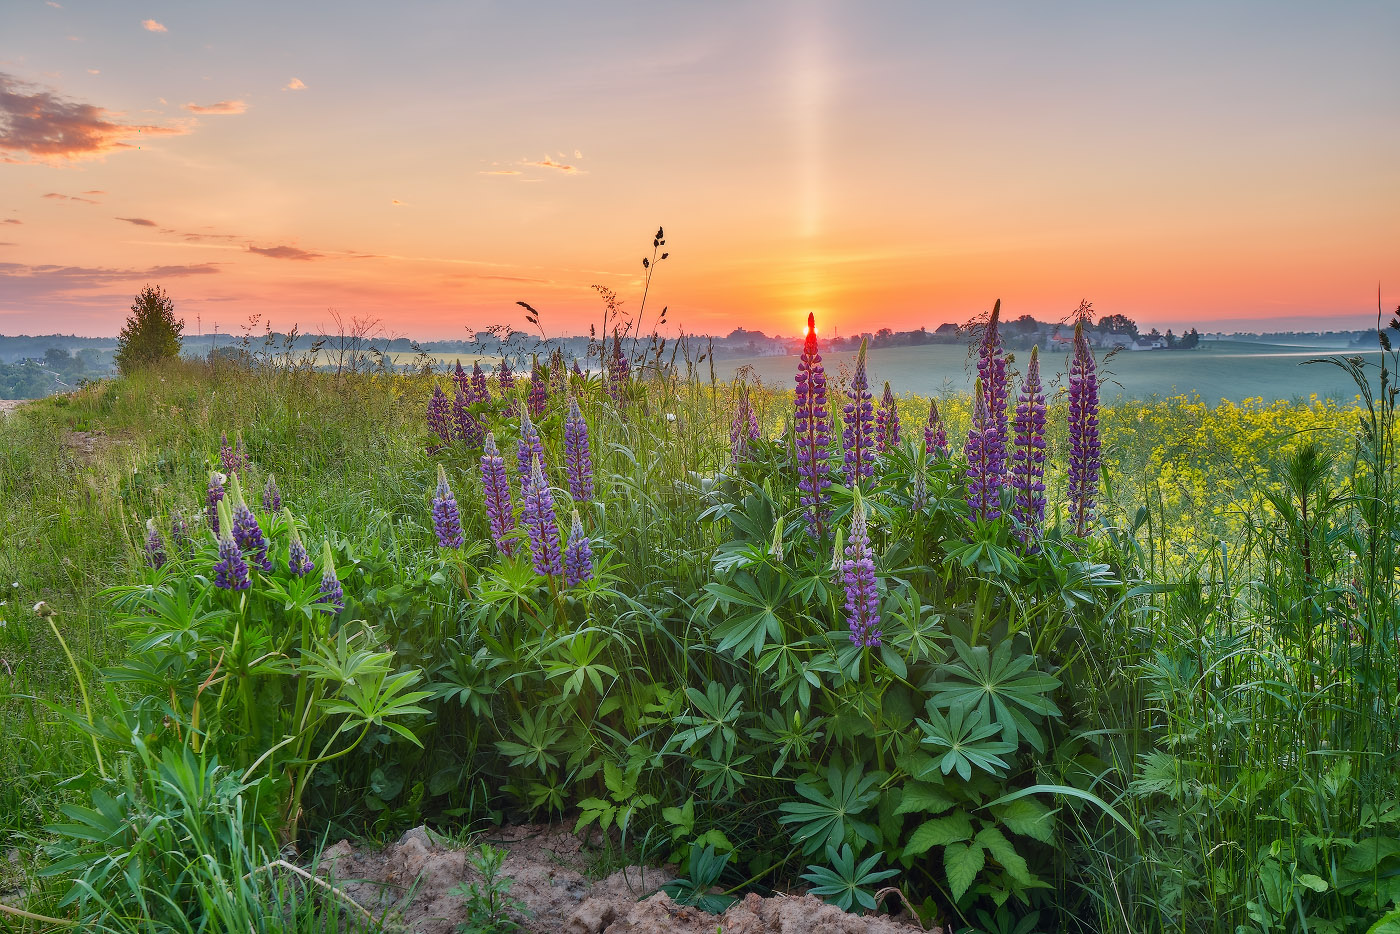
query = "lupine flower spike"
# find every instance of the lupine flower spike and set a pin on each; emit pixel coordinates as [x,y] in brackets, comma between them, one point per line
[886,423]
[935,434]
[505,376]
[858,432]
[1028,458]
[812,423]
[179,531]
[537,514]
[212,499]
[984,459]
[528,448]
[499,513]
[481,392]
[231,571]
[227,459]
[447,521]
[578,458]
[332,593]
[991,367]
[246,530]
[619,370]
[539,390]
[1084,451]
[465,424]
[858,576]
[462,381]
[298,561]
[578,556]
[155,545]
[743,427]
[440,415]
[558,374]
[272,496]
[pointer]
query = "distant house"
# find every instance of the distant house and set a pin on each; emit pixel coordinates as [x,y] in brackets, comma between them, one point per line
[1110,341]
[946,330]
[1149,343]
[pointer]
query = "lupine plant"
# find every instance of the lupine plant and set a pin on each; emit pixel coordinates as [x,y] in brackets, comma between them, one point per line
[271,496]
[812,422]
[1028,457]
[481,391]
[935,432]
[984,451]
[578,555]
[991,369]
[858,433]
[155,545]
[214,494]
[886,423]
[1084,456]
[496,489]
[537,515]
[440,415]
[578,457]
[447,521]
[858,579]
[539,390]
[528,449]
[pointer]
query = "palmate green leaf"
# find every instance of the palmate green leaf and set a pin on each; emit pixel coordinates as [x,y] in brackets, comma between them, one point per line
[969,741]
[999,685]
[751,612]
[828,818]
[717,712]
[941,831]
[962,862]
[846,883]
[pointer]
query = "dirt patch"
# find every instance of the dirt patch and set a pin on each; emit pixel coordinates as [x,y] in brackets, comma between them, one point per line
[9,405]
[410,883]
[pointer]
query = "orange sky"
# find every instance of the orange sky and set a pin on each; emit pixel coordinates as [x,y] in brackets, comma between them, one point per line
[886,164]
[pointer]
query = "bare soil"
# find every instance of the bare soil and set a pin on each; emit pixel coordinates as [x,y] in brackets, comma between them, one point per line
[409,883]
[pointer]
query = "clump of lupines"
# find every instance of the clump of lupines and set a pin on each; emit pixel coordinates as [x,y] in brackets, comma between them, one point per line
[991,368]
[231,571]
[447,520]
[331,592]
[578,555]
[463,382]
[179,531]
[813,427]
[539,391]
[743,427]
[578,457]
[440,415]
[298,561]
[619,370]
[155,546]
[499,514]
[558,373]
[272,496]
[858,577]
[886,422]
[935,434]
[233,459]
[1084,456]
[481,392]
[1028,457]
[528,448]
[212,498]
[537,515]
[505,376]
[468,429]
[985,453]
[246,530]
[857,435]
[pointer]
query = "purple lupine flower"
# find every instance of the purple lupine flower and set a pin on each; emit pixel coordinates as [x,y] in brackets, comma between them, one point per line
[578,555]
[155,546]
[558,374]
[991,368]
[578,371]
[463,382]
[298,561]
[447,521]
[440,415]
[497,495]
[212,499]
[1084,451]
[505,377]
[886,423]
[231,571]
[272,496]
[813,426]
[858,432]
[984,459]
[619,371]
[481,392]
[527,448]
[935,434]
[578,458]
[227,459]
[743,427]
[858,577]
[468,428]
[331,592]
[537,514]
[179,531]
[246,531]
[539,391]
[1028,457]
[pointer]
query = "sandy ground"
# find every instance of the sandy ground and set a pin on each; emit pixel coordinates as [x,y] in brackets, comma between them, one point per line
[408,884]
[8,404]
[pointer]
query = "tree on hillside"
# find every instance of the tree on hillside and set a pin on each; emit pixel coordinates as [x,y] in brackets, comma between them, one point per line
[152,332]
[1118,324]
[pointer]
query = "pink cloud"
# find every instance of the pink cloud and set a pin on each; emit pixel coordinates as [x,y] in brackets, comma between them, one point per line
[219,107]
[151,25]
[41,126]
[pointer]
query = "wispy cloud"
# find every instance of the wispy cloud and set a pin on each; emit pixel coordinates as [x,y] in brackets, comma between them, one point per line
[39,125]
[501,172]
[94,71]
[151,25]
[56,6]
[218,107]
[296,84]
[55,196]
[8,243]
[548,163]
[284,252]
[396,202]
[23,282]
[12,220]
[138,221]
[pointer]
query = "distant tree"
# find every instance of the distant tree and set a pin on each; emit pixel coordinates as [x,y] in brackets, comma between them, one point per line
[1118,324]
[152,332]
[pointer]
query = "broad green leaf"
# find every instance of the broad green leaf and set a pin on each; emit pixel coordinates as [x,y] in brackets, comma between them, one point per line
[955,828]
[962,863]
